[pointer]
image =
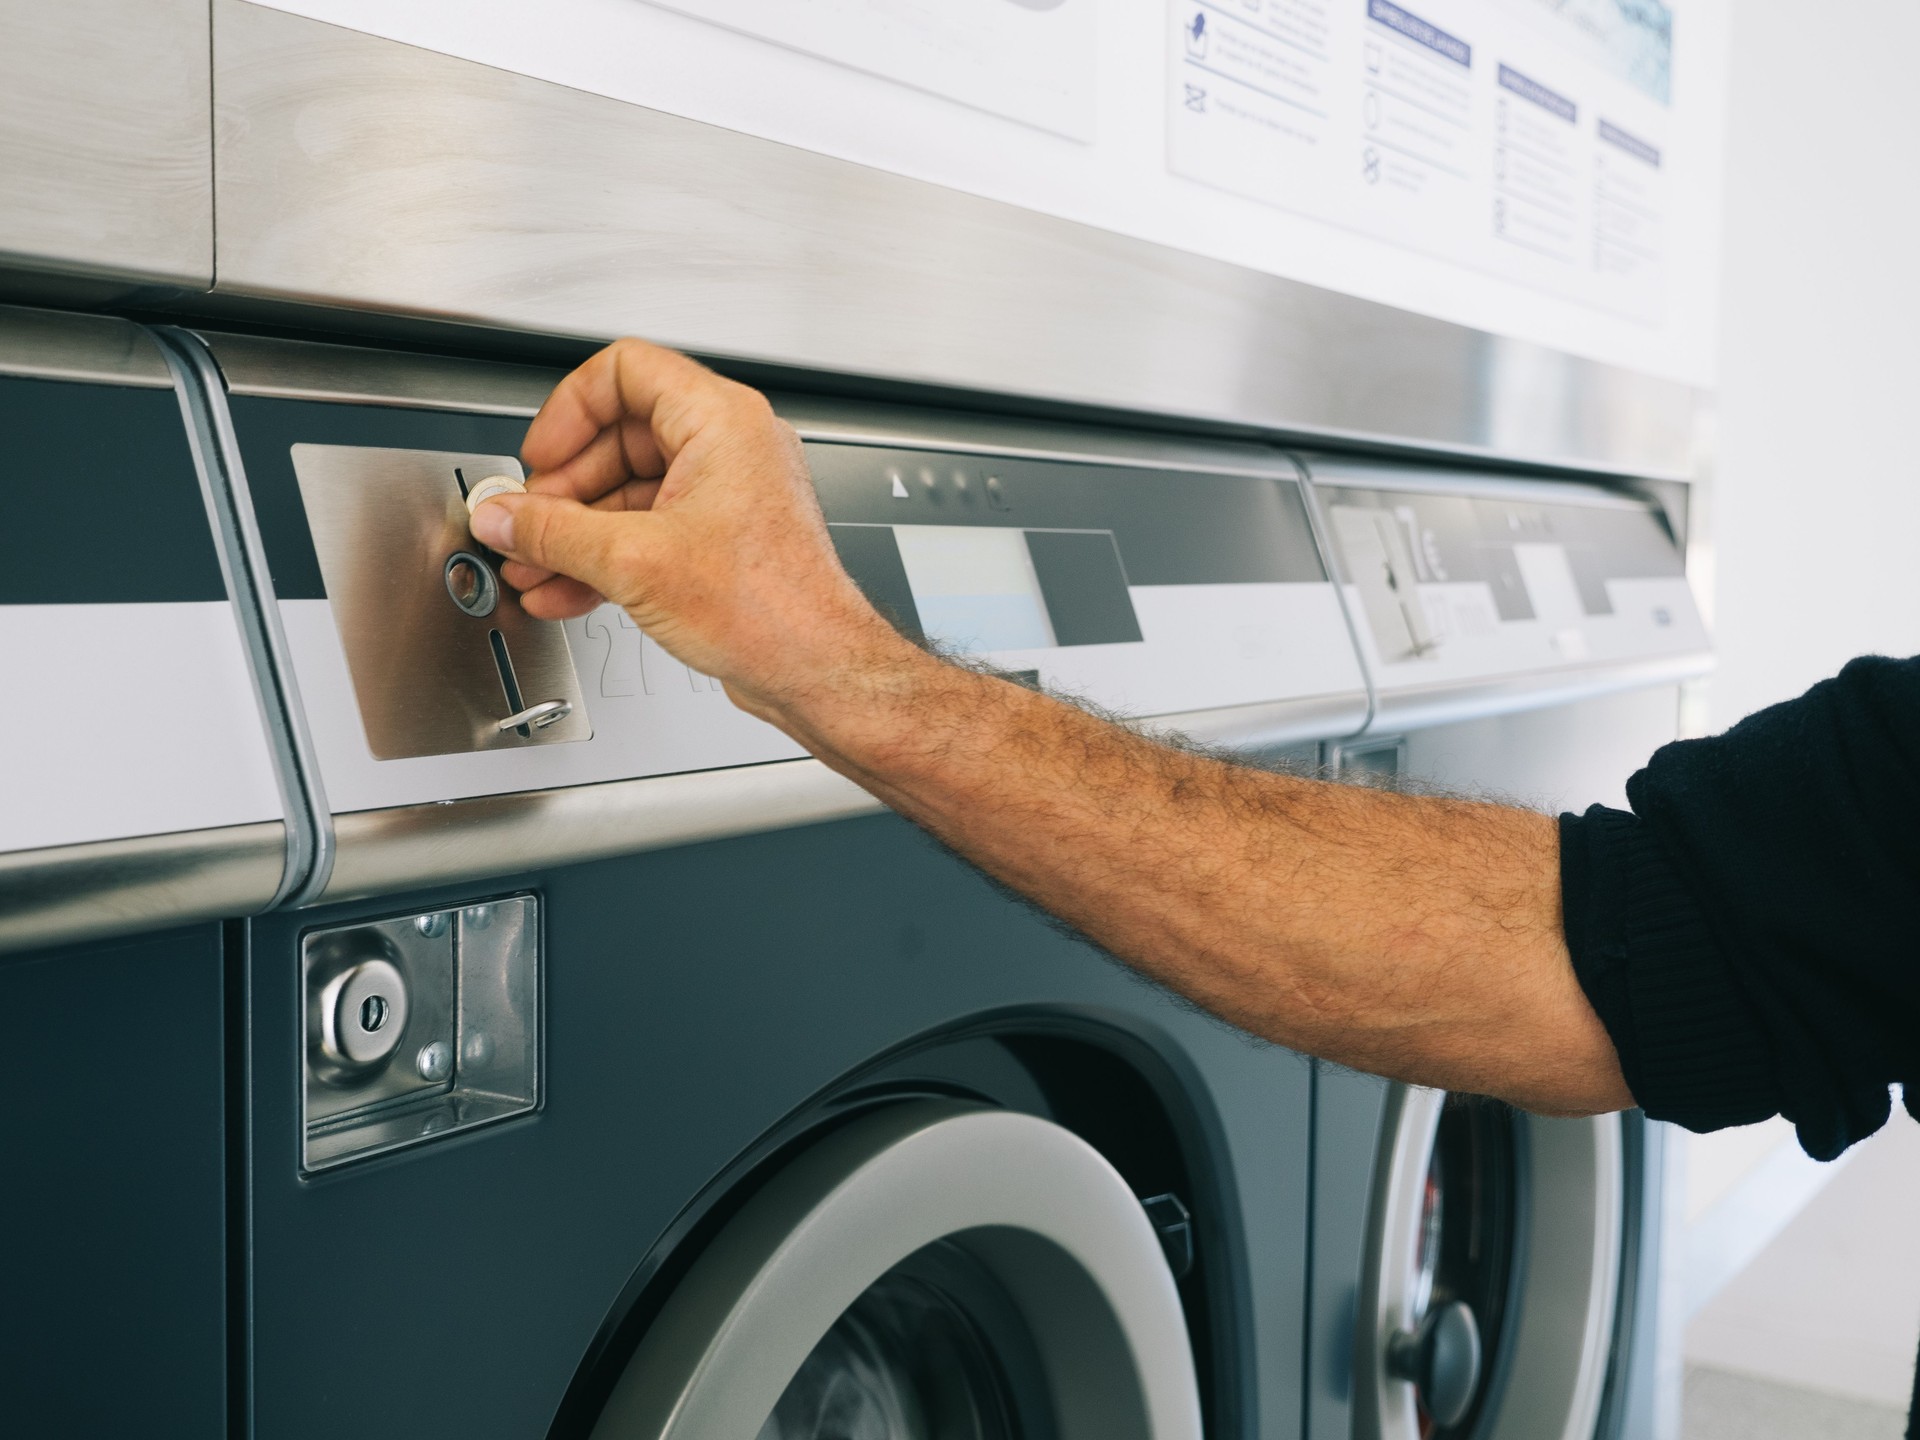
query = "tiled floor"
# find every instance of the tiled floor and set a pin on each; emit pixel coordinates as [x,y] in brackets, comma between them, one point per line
[1723,1406]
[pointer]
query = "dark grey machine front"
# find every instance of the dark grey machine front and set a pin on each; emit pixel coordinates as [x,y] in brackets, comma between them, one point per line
[709,1023]
[494,1285]
[119,642]
[614,1070]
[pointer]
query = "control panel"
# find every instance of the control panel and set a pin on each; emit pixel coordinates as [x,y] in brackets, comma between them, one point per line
[1146,588]
[1458,581]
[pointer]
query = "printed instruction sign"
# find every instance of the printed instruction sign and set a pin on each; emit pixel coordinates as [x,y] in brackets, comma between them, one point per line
[1029,60]
[1527,138]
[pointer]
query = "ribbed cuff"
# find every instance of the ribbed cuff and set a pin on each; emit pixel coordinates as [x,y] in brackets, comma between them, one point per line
[1690,1045]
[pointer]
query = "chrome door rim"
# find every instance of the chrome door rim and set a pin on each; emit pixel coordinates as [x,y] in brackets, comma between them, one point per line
[1032,1202]
[1562,1317]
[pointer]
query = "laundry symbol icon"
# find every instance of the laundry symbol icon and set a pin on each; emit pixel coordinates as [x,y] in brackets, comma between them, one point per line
[1198,36]
[1197,99]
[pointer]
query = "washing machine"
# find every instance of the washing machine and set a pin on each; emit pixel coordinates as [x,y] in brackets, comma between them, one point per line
[1486,1273]
[622,1072]
[464,1024]
[139,804]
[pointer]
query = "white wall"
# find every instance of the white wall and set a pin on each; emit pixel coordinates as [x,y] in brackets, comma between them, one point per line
[1816,519]
[1815,524]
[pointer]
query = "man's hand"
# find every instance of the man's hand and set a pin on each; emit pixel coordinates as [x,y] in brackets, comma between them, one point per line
[681,497]
[1415,938]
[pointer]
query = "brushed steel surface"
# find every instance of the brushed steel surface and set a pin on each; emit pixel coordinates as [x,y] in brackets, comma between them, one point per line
[106,140]
[121,887]
[1335,471]
[361,173]
[1041,1210]
[55,345]
[465,1044]
[386,524]
[381,851]
[352,374]
[1397,710]
[243,566]
[828,420]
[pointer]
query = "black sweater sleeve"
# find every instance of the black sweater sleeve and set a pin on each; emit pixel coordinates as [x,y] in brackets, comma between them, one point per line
[1750,933]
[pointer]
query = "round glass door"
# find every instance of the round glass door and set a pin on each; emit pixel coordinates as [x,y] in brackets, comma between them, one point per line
[929,1352]
[928,1271]
[1464,1263]
[1491,1273]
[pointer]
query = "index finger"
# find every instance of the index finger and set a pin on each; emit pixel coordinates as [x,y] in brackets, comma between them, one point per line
[624,413]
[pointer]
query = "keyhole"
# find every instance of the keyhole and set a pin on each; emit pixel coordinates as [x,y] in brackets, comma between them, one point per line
[373,1013]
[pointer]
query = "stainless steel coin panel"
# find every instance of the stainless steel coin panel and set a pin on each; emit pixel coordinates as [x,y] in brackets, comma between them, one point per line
[431,678]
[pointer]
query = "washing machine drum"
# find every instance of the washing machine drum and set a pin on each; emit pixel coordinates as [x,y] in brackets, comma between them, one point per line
[928,1271]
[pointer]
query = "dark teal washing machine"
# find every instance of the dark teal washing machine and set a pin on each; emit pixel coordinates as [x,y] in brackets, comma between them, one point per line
[627,1073]
[490,1031]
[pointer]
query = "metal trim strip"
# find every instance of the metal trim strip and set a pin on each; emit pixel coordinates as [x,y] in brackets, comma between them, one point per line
[282,369]
[55,345]
[121,887]
[841,267]
[378,851]
[882,426]
[223,482]
[1418,709]
[1347,472]
[1329,559]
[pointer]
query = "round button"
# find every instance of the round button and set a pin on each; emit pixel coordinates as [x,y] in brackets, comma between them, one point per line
[365,1014]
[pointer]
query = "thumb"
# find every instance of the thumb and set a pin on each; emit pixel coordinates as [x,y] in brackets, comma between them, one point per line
[559,534]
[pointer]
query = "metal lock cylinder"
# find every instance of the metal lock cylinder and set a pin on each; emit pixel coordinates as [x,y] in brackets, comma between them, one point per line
[357,1013]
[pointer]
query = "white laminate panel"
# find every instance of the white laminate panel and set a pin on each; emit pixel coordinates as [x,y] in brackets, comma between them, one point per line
[127,720]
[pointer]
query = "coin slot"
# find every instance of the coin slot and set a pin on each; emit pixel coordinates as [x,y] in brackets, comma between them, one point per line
[504,662]
[373,1013]
[471,586]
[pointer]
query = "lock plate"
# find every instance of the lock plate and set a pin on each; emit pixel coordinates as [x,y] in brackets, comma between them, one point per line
[419,1026]
[439,650]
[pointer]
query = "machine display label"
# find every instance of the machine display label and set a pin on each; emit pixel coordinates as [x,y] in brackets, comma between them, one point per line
[978,589]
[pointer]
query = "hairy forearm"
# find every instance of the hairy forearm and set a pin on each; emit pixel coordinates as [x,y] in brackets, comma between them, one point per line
[1413,937]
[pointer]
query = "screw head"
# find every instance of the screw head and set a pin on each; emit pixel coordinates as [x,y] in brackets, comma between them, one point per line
[433,926]
[435,1061]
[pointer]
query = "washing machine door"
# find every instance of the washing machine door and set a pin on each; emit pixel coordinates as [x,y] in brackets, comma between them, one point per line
[929,1271]
[1492,1273]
